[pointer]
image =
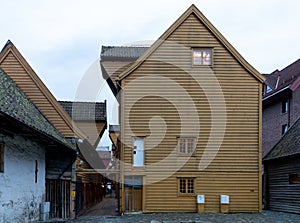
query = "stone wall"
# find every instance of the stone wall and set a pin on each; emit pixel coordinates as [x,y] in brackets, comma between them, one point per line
[20,194]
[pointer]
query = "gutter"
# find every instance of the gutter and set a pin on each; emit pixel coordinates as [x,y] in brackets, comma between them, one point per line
[287,87]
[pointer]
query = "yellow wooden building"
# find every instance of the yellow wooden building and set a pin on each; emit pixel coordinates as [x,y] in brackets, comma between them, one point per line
[190,123]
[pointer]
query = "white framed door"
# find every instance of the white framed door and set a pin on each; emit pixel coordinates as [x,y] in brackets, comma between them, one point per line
[138,152]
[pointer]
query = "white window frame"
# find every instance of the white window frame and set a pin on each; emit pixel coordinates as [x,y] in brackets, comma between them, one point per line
[138,150]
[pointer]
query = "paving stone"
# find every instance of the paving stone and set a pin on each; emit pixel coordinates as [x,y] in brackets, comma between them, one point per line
[94,216]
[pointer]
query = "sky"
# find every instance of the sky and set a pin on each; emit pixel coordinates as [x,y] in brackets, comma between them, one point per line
[62,39]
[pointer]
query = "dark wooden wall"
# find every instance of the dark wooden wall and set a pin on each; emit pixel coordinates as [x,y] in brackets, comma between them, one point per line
[280,194]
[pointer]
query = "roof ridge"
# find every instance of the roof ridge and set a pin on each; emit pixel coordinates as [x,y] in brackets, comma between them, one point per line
[194,10]
[289,66]
[66,101]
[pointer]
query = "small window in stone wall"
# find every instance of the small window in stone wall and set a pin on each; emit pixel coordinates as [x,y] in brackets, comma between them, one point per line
[293,178]
[1,157]
[36,172]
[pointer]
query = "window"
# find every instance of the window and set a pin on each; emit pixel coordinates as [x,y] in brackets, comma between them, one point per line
[285,106]
[284,129]
[138,152]
[1,158]
[186,185]
[293,179]
[268,89]
[36,172]
[202,57]
[186,145]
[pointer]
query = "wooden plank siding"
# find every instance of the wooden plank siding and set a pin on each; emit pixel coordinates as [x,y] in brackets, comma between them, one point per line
[235,171]
[92,129]
[12,62]
[281,195]
[114,68]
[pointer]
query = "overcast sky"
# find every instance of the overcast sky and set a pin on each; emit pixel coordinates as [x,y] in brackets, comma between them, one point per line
[61,39]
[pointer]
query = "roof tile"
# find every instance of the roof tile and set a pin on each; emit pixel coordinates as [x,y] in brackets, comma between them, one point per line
[15,104]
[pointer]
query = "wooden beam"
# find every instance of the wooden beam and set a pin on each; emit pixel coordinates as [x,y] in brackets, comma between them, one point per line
[97,171]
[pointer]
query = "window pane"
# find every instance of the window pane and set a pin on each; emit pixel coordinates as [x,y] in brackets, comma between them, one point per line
[206,57]
[182,146]
[190,145]
[202,56]
[284,129]
[190,186]
[285,106]
[182,186]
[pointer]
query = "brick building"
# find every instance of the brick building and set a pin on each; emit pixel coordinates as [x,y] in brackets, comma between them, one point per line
[281,104]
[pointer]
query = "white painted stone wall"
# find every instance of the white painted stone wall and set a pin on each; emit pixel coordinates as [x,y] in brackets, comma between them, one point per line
[20,196]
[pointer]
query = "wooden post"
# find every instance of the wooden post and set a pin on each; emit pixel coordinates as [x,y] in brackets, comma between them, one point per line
[200,203]
[224,202]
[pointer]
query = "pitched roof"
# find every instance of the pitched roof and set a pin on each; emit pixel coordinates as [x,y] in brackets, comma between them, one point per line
[15,104]
[115,59]
[85,111]
[15,65]
[121,52]
[288,145]
[193,10]
[278,80]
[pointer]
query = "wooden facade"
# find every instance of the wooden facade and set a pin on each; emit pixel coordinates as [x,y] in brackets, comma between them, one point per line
[155,182]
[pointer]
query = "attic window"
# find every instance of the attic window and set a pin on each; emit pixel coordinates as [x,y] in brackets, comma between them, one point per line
[202,57]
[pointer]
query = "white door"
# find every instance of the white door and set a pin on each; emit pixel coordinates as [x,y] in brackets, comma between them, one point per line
[138,152]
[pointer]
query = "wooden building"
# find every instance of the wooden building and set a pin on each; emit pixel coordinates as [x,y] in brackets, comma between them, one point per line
[282,171]
[91,119]
[190,121]
[59,187]
[33,155]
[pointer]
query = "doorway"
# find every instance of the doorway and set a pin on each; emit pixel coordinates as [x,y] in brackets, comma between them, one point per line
[133,193]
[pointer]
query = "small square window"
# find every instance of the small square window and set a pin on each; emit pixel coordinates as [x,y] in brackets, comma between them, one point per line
[186,186]
[202,56]
[293,179]
[284,129]
[285,106]
[1,157]
[186,145]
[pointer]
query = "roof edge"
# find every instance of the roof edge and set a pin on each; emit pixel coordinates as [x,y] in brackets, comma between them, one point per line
[265,158]
[193,9]
[10,47]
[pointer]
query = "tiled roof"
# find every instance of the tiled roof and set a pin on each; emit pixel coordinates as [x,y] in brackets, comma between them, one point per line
[288,145]
[125,52]
[283,78]
[15,104]
[85,111]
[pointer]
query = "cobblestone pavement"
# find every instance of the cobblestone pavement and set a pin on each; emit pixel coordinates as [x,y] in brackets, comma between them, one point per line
[264,217]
